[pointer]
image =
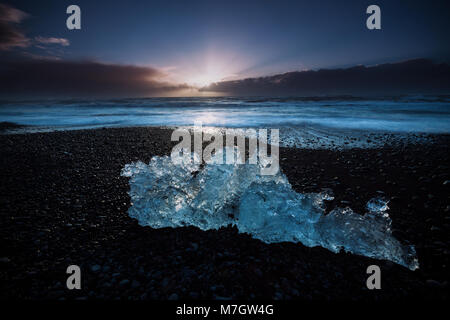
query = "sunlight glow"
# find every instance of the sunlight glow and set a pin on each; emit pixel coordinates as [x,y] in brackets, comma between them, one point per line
[205,79]
[208,66]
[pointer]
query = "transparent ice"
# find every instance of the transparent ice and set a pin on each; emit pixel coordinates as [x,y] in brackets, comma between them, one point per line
[165,194]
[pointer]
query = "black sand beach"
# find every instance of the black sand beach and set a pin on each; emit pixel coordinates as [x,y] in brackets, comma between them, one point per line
[63,202]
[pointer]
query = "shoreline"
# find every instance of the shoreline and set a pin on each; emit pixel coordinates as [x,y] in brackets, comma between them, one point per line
[314,137]
[64,202]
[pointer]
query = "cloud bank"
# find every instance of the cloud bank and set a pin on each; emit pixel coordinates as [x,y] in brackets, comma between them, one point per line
[28,77]
[418,76]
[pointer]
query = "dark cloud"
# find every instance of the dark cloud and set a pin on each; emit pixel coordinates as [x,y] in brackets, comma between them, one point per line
[409,77]
[28,77]
[10,35]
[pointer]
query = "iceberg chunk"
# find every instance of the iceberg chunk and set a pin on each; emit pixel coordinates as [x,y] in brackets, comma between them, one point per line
[165,194]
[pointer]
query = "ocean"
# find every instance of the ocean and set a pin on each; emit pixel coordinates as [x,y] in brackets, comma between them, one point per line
[315,121]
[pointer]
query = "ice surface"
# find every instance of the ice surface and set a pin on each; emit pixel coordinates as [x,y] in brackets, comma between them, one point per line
[164,194]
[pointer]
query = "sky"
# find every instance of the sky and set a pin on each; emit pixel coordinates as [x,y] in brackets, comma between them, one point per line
[194,43]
